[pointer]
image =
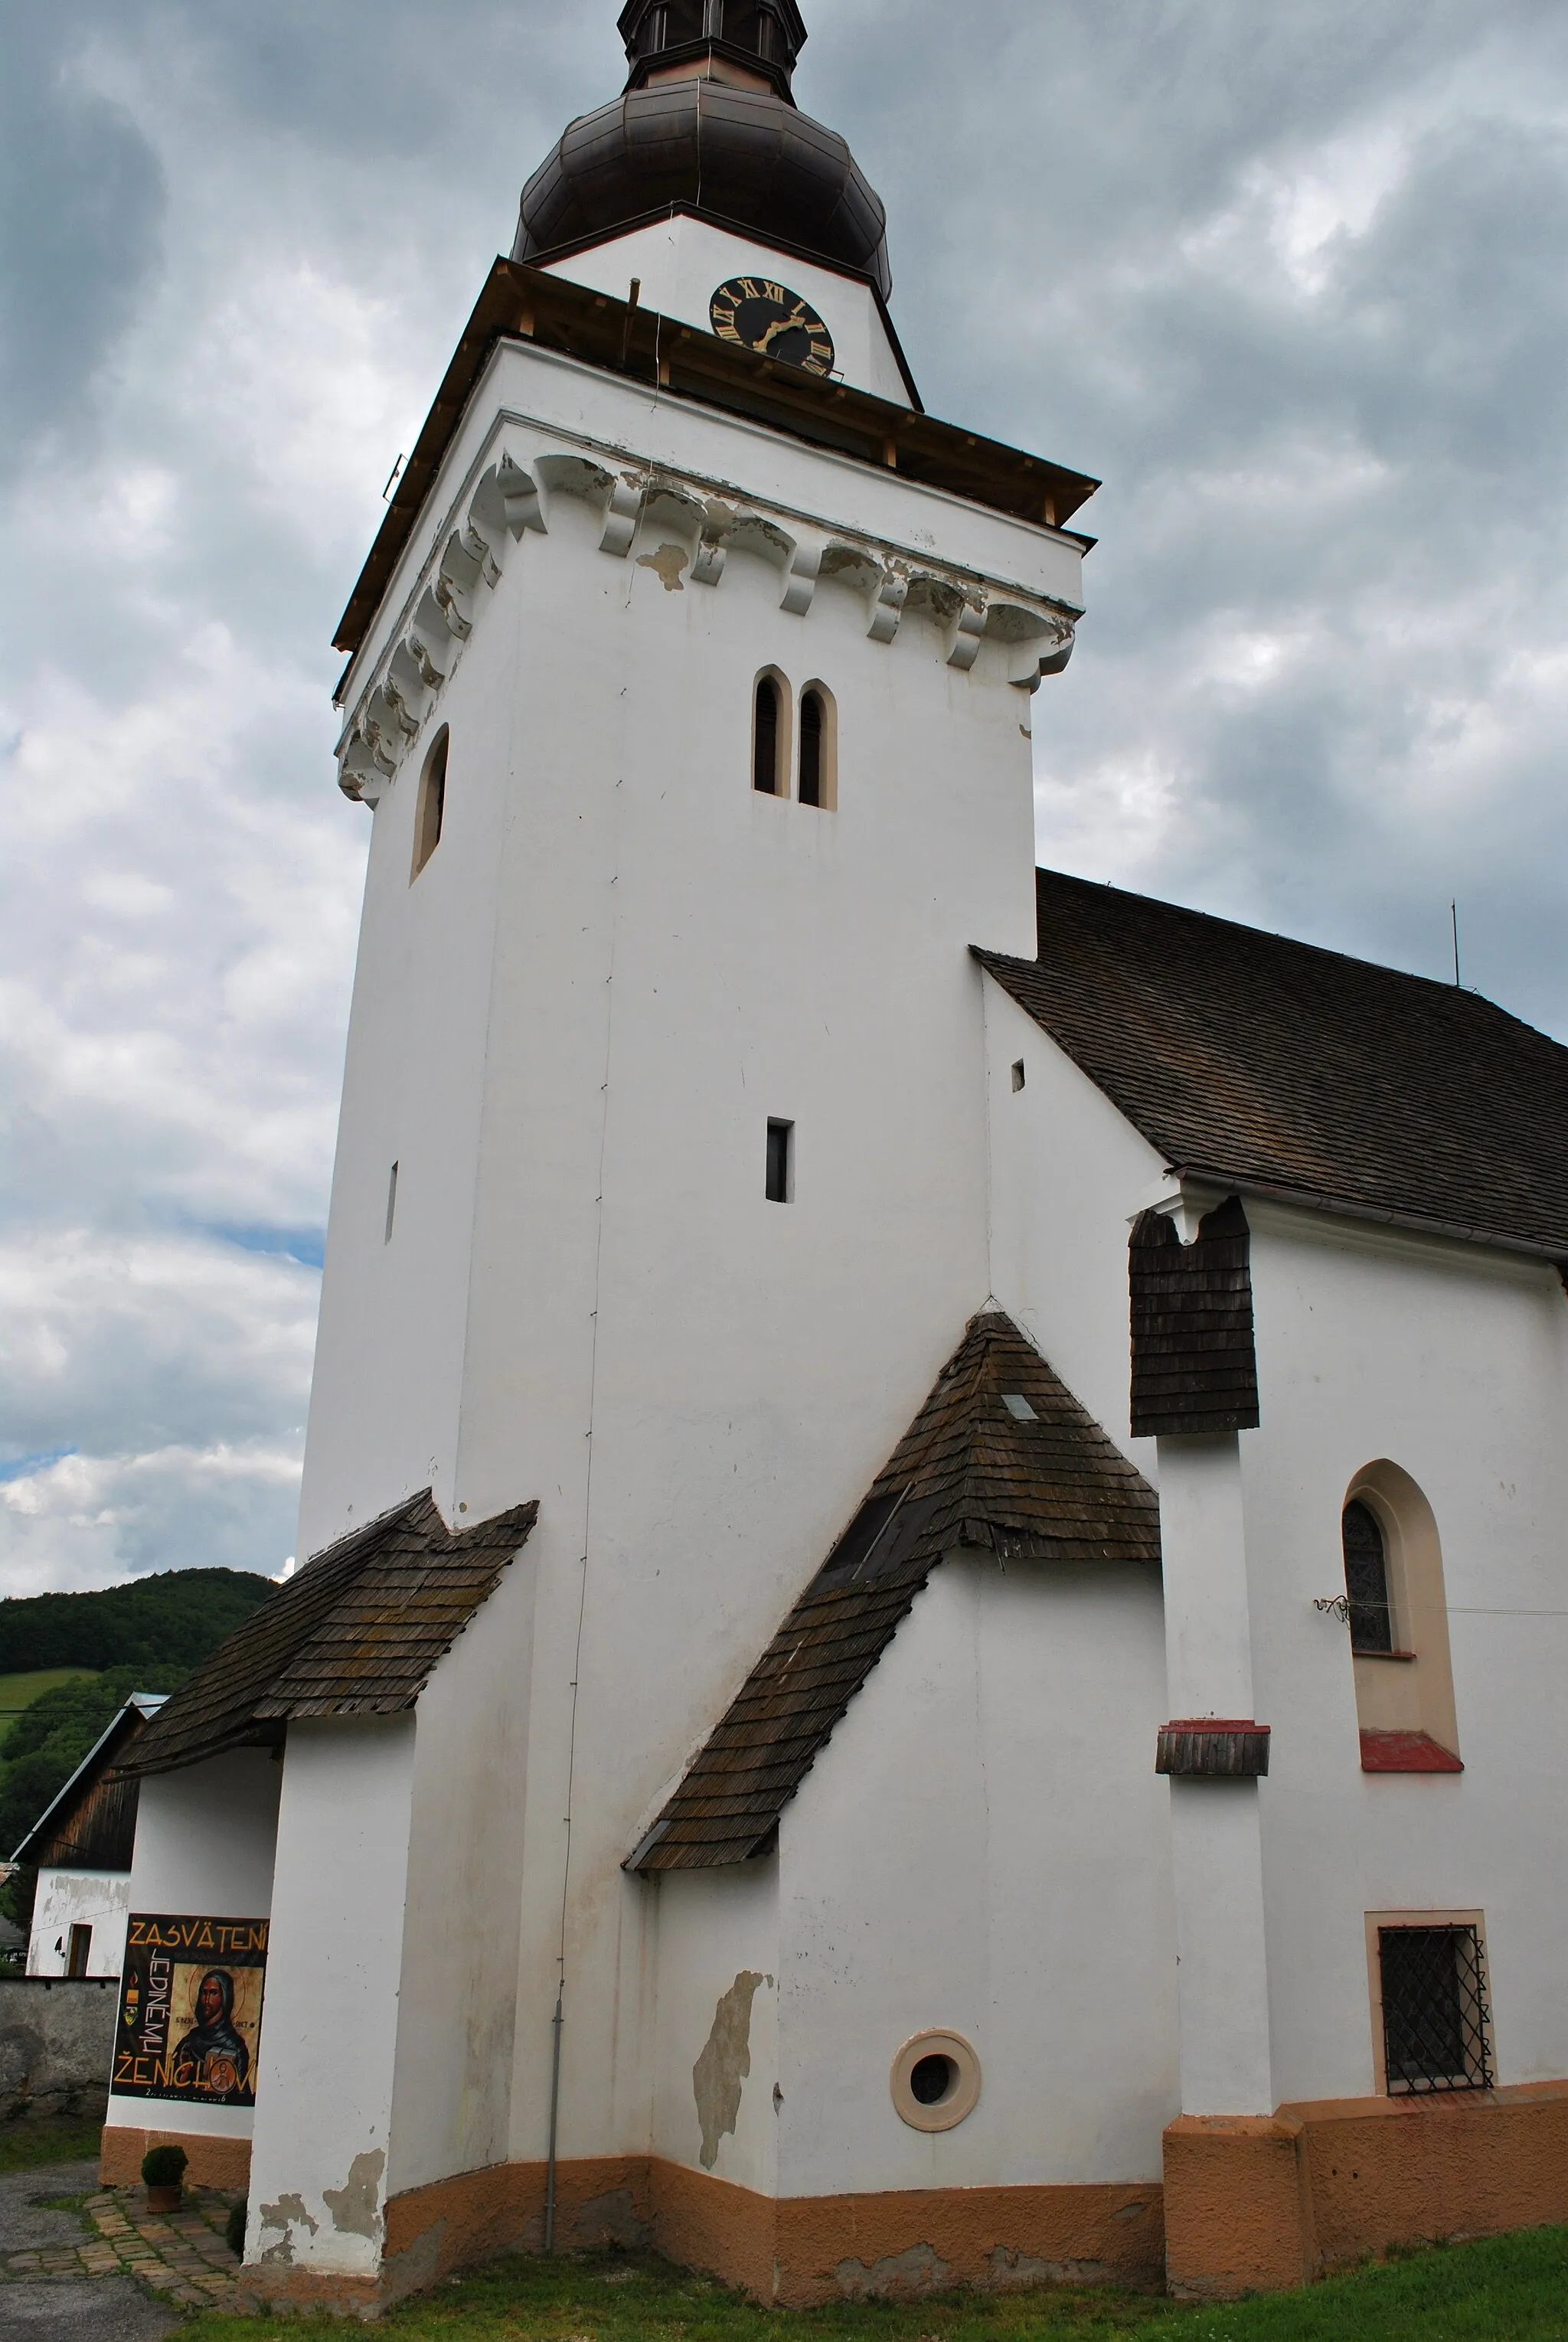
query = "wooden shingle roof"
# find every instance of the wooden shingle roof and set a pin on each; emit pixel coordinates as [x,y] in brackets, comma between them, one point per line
[1000,1456]
[355,1633]
[1271,1066]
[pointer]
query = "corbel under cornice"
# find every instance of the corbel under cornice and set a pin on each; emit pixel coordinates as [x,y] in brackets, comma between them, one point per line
[696,525]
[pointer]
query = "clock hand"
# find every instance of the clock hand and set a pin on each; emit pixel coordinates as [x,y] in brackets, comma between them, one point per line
[782,325]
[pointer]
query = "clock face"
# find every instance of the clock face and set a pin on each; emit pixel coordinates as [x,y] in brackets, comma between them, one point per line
[769,318]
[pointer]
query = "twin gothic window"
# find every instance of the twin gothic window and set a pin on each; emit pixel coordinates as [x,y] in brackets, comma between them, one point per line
[804,767]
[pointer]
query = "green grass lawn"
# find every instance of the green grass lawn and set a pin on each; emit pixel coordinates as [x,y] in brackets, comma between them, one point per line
[23,2146]
[1506,2289]
[17,1692]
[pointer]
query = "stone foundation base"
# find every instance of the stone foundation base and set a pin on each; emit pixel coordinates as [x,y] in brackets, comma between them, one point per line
[1254,2203]
[795,2252]
[222,2163]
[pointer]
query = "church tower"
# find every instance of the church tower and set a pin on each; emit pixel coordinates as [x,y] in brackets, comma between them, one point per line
[689,695]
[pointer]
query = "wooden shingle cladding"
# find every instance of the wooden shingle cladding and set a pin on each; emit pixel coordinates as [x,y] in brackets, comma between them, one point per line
[1252,1062]
[1194,1358]
[1001,1459]
[355,1633]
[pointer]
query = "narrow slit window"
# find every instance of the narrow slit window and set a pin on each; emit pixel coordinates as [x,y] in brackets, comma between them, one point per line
[430,809]
[1366,1579]
[1017,1072]
[765,739]
[780,1161]
[391,1203]
[1434,2013]
[81,1951]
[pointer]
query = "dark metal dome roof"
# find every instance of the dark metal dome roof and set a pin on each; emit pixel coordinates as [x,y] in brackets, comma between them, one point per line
[741,155]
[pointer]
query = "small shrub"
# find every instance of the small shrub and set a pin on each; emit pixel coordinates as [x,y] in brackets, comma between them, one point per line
[164,2166]
[234,2229]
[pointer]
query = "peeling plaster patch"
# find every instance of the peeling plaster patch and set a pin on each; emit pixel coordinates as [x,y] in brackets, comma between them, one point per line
[919,2269]
[355,2208]
[1013,2271]
[283,2217]
[667,563]
[725,2062]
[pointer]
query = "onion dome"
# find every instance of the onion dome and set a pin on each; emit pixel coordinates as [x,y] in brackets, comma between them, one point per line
[706,123]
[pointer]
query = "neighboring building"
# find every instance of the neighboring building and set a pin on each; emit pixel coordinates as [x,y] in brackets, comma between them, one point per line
[82,1849]
[860,1393]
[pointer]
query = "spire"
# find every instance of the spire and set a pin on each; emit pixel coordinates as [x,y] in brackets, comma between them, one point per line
[751,43]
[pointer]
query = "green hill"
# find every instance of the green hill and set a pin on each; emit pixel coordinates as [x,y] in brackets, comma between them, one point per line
[174,1619]
[85,1653]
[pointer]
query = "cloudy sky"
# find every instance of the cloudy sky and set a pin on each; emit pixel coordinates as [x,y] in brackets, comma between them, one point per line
[1289,278]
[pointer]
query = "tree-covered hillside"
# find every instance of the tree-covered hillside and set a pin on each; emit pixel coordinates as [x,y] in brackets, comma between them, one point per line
[144,1636]
[174,1619]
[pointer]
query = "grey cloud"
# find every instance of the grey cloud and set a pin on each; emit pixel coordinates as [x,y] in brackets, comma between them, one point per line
[1289,278]
[81,210]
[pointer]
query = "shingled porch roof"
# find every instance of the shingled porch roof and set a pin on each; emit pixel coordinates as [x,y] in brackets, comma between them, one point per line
[356,1632]
[1001,1457]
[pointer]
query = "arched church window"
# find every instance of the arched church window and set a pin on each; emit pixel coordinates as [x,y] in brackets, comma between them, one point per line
[768,767]
[1398,1616]
[1366,1579]
[815,748]
[430,810]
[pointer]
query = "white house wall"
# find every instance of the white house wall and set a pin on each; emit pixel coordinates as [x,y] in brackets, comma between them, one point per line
[205,1840]
[79,1898]
[681,262]
[984,1849]
[1452,1363]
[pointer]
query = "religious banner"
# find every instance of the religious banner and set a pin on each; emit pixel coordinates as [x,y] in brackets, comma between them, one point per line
[190,2009]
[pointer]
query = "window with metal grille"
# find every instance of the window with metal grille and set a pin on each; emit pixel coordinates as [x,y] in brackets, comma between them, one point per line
[1366,1579]
[1436,2019]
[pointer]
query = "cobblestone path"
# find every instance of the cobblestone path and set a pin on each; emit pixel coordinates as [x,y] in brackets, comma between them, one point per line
[184,2256]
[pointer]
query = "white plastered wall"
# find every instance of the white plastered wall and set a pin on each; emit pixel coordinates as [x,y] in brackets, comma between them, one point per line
[65,1899]
[984,1849]
[570,1032]
[717,1968]
[324,2077]
[1448,1360]
[205,1840]
[457,2002]
[1453,1363]
[681,262]
[1067,1174]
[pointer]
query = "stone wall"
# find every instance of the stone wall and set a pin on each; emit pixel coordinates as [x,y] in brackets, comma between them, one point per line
[56,2035]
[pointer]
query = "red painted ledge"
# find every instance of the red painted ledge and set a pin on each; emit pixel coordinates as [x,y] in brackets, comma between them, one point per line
[1406,1752]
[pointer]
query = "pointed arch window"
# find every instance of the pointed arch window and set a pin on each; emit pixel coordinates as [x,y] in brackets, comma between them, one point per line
[430,810]
[1398,1616]
[818,744]
[1366,1579]
[768,766]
